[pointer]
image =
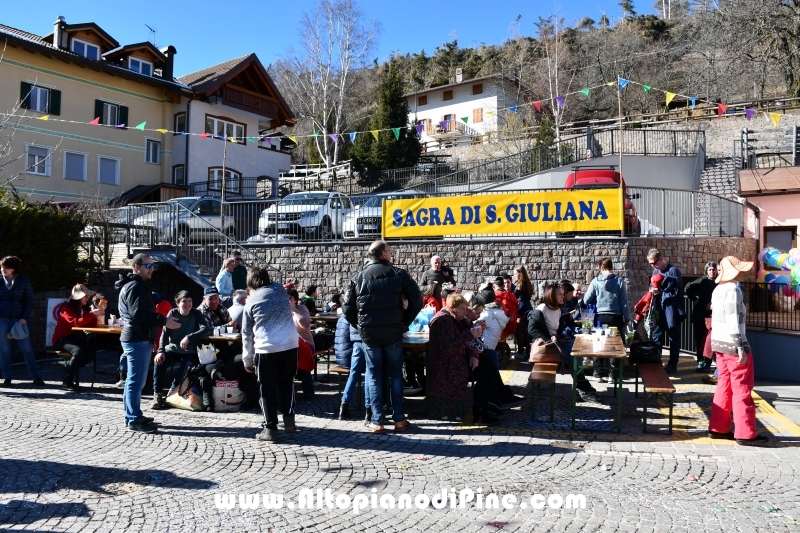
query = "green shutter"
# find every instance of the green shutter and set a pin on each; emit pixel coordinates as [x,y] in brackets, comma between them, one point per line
[25,95]
[98,110]
[123,115]
[55,102]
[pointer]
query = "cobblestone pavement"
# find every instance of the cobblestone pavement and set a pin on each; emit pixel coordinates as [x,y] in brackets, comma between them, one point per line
[67,463]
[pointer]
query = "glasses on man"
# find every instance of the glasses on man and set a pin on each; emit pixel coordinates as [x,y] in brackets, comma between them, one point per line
[148,266]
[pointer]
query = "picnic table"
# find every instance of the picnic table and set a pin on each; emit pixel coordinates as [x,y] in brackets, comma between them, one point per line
[99,330]
[614,348]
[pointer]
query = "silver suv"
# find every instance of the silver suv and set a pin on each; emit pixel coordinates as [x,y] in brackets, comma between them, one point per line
[203,219]
[307,215]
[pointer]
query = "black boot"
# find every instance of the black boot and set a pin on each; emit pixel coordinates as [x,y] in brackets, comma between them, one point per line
[368,416]
[68,382]
[344,412]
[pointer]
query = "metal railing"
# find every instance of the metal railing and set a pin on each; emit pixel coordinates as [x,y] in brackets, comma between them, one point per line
[238,188]
[772,306]
[564,152]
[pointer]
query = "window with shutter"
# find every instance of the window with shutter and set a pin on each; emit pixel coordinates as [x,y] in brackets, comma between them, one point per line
[447,95]
[25,95]
[422,100]
[477,88]
[74,166]
[55,102]
[39,99]
[108,170]
[152,151]
[122,120]
[180,123]
[477,115]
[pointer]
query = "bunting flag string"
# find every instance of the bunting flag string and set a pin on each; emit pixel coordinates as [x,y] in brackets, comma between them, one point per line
[560,102]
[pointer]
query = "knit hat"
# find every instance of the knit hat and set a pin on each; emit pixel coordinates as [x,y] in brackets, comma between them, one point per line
[730,267]
[79,291]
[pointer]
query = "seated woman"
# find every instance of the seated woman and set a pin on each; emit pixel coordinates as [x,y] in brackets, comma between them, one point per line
[302,322]
[543,326]
[433,296]
[335,304]
[75,313]
[178,345]
[454,360]
[492,315]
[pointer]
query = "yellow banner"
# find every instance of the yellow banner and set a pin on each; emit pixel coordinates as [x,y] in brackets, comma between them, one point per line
[491,214]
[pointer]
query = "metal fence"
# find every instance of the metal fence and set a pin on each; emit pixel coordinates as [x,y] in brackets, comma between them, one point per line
[565,152]
[237,188]
[772,306]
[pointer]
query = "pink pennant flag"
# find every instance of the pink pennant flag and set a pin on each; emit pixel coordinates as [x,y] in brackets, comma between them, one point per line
[538,106]
[721,108]
[204,135]
[749,113]
[95,122]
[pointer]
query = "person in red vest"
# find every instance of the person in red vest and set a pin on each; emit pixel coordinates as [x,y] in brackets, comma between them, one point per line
[509,303]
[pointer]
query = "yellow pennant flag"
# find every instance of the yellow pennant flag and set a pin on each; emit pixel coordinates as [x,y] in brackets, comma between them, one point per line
[490,113]
[232,139]
[44,117]
[374,134]
[611,83]
[161,130]
[775,117]
[670,96]
[293,139]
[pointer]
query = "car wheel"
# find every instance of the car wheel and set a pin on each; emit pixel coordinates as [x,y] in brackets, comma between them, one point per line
[325,231]
[184,236]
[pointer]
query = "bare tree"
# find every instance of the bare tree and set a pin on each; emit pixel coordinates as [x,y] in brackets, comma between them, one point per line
[334,42]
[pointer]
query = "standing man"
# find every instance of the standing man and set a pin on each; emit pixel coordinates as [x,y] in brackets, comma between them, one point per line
[224,281]
[374,304]
[670,293]
[239,273]
[137,309]
[437,274]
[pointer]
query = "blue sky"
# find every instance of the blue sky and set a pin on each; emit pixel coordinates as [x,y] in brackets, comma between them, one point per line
[206,33]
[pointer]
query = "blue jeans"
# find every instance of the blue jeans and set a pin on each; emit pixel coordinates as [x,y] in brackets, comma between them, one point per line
[170,358]
[138,357]
[391,356]
[5,350]
[358,364]
[662,331]
[581,382]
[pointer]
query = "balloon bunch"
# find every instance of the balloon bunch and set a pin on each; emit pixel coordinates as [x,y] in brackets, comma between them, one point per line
[786,280]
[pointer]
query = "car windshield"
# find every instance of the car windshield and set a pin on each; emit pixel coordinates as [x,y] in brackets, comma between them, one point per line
[185,202]
[305,199]
[375,201]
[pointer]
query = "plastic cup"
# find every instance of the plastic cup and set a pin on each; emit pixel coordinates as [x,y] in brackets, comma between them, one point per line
[228,329]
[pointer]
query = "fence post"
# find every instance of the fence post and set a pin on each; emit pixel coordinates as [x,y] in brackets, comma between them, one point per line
[694,208]
[663,212]
[766,307]
[644,141]
[674,143]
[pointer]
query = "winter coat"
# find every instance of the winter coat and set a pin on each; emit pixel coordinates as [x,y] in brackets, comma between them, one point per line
[16,303]
[68,318]
[495,320]
[342,345]
[137,309]
[374,303]
[449,352]
[608,291]
[699,292]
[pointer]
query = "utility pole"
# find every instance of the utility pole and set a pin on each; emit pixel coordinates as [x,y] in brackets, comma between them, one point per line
[222,194]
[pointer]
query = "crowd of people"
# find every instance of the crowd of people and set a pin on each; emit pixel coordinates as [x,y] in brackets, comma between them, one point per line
[377,307]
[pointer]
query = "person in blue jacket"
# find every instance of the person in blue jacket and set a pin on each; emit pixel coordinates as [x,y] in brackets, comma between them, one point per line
[673,311]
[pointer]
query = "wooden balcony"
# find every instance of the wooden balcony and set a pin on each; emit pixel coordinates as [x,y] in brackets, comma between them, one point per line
[449,129]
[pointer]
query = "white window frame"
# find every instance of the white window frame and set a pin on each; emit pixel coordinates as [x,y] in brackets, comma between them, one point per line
[141,62]
[175,122]
[226,124]
[85,164]
[119,164]
[86,46]
[105,119]
[37,90]
[147,144]
[29,169]
[174,169]
[215,182]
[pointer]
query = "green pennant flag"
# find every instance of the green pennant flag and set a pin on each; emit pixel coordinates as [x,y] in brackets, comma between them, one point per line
[141,126]
[646,88]
[396,132]
[251,140]
[585,92]
[465,119]
[315,134]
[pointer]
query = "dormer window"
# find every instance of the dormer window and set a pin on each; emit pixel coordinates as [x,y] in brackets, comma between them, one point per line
[140,66]
[82,48]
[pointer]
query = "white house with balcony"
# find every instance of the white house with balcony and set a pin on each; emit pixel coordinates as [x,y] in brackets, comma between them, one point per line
[462,112]
[236,104]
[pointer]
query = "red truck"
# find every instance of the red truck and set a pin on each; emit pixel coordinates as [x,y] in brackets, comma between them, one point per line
[605,177]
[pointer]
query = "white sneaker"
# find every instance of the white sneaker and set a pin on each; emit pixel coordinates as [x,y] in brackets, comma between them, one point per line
[120,384]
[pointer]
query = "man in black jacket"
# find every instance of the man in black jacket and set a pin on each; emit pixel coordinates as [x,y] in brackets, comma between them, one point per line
[137,310]
[374,304]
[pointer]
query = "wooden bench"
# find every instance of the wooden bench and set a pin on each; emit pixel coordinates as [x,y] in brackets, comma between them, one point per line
[328,356]
[655,381]
[543,373]
[66,355]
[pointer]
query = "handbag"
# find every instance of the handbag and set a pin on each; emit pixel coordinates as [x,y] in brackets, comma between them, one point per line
[645,352]
[186,397]
[228,397]
[305,356]
[207,354]
[545,352]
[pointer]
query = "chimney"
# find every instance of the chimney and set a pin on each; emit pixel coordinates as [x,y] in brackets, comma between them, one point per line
[169,68]
[59,35]
[459,75]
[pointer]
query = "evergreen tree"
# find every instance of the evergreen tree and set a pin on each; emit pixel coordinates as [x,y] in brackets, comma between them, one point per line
[389,150]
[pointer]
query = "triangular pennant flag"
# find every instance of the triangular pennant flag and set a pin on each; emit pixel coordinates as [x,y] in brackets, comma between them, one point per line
[775,117]
[232,139]
[161,130]
[374,134]
[693,101]
[721,108]
[418,127]
[443,124]
[646,88]
[334,137]
[315,134]
[560,101]
[120,126]
[513,109]
[293,139]
[95,122]
[622,83]
[251,140]
[749,113]
[610,83]
[538,106]
[396,132]
[43,117]
[465,119]
[491,112]
[141,126]
[669,96]
[204,135]
[353,136]
[585,92]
